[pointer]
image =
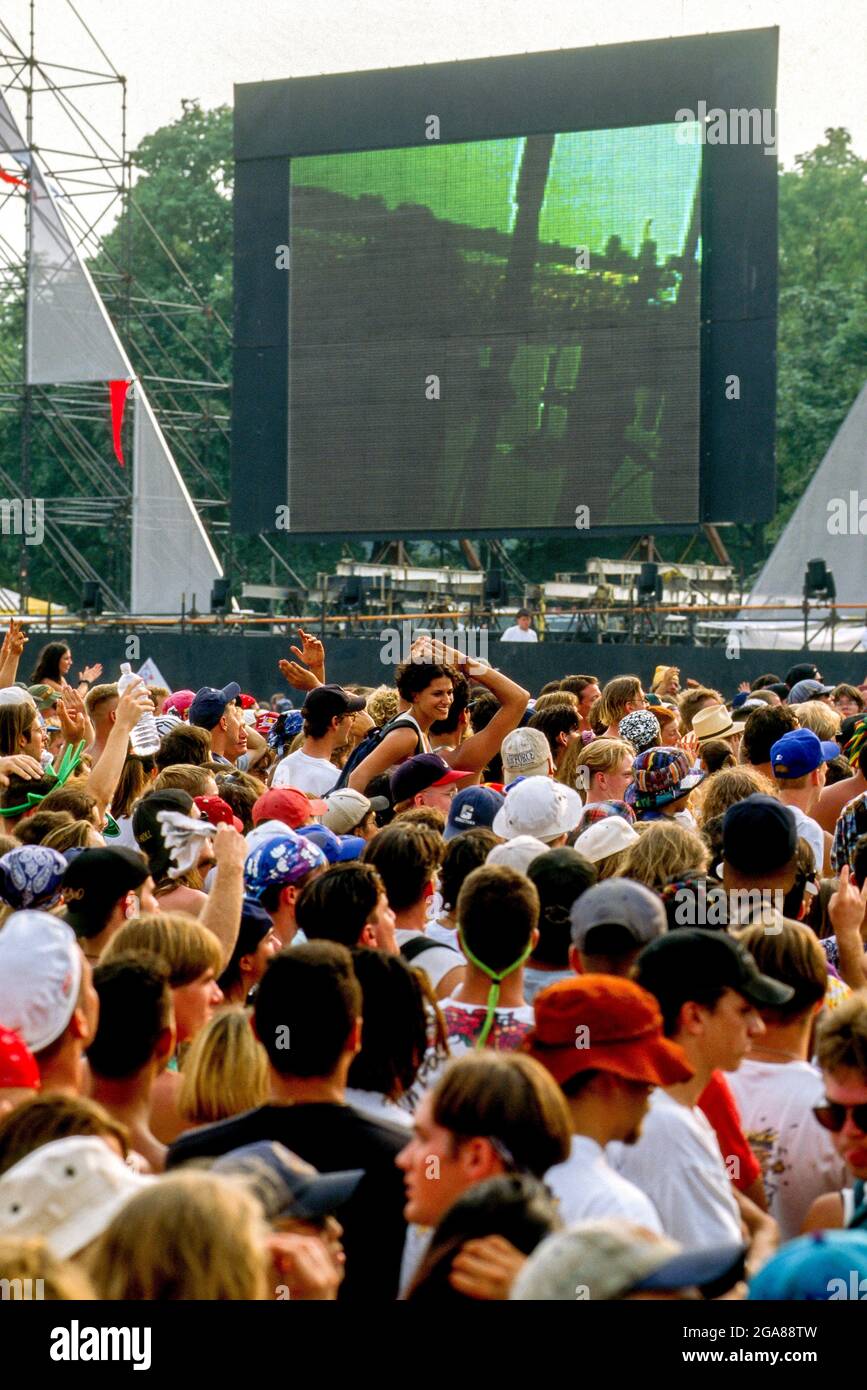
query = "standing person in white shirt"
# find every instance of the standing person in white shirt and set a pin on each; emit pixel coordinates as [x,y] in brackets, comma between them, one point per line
[798,762]
[601,1038]
[776,1087]
[709,990]
[521,631]
[327,712]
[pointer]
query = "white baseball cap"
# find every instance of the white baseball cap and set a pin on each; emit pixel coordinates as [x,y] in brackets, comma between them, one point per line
[266,830]
[605,837]
[540,807]
[525,753]
[67,1191]
[518,853]
[347,809]
[14,695]
[40,977]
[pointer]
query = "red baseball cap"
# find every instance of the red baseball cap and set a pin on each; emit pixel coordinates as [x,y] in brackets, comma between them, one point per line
[18,1069]
[248,702]
[604,1023]
[218,811]
[289,805]
[179,702]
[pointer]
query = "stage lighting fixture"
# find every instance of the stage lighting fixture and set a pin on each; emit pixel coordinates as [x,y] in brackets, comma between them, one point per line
[91,598]
[819,581]
[220,597]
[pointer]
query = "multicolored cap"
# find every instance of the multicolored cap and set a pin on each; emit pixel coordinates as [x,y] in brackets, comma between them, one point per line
[283,860]
[660,775]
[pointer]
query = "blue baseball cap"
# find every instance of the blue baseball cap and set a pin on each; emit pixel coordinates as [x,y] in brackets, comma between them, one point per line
[282,860]
[824,1266]
[338,849]
[472,809]
[800,752]
[206,711]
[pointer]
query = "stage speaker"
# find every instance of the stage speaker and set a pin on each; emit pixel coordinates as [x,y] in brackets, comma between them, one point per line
[649,583]
[91,597]
[220,596]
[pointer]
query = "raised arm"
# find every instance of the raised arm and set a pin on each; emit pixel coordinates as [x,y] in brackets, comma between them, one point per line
[14,643]
[222,911]
[103,780]
[476,752]
[394,748]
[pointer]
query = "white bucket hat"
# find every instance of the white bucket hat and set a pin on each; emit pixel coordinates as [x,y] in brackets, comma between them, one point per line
[540,807]
[40,976]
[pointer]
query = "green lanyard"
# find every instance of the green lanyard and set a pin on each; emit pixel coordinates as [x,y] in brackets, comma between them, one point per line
[496,978]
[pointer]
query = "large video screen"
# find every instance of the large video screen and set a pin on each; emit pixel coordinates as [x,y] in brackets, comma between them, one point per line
[497,333]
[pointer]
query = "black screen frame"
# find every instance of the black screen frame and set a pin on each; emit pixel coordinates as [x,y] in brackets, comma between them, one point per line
[565,90]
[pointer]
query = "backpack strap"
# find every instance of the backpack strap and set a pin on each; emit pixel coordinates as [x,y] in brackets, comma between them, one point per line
[416,946]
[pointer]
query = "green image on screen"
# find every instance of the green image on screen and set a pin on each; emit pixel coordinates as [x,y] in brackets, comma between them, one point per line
[491,335]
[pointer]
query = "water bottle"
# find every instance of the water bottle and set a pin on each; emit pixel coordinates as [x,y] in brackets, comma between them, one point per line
[144,739]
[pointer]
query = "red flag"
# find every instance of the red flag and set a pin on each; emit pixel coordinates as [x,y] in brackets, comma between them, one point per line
[10,178]
[117,391]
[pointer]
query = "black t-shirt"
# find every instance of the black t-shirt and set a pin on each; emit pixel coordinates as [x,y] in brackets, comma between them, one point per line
[332,1138]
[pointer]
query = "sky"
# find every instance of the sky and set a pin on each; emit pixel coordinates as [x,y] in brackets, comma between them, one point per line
[173,49]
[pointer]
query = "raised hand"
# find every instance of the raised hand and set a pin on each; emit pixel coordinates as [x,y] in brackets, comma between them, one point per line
[90,673]
[20,765]
[72,714]
[298,676]
[486,1268]
[744,687]
[14,641]
[689,744]
[303,1267]
[230,849]
[132,705]
[848,905]
[311,651]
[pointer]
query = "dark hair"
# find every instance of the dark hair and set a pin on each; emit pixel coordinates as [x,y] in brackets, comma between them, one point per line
[317,725]
[560,877]
[859,861]
[805,873]
[336,904]
[548,688]
[556,720]
[506,1096]
[673,989]
[34,829]
[517,1207]
[185,743]
[135,1007]
[306,1006]
[76,800]
[761,682]
[132,784]
[763,729]
[838,769]
[465,852]
[483,707]
[407,856]
[793,956]
[459,704]
[15,722]
[577,684]
[394,1027]
[412,677]
[241,791]
[717,753]
[19,787]
[48,663]
[498,910]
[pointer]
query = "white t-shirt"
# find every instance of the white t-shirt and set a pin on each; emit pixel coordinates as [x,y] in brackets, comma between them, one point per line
[464,1023]
[677,1163]
[315,776]
[587,1187]
[445,936]
[378,1106]
[799,1162]
[436,962]
[517,634]
[811,831]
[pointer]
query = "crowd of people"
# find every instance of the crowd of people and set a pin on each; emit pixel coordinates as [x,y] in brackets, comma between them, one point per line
[444,991]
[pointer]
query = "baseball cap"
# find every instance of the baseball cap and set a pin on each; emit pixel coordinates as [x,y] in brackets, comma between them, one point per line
[336,848]
[328,701]
[218,811]
[759,834]
[255,926]
[44,695]
[282,860]
[30,876]
[623,1025]
[67,1191]
[660,775]
[803,691]
[178,702]
[15,695]
[683,963]
[346,808]
[518,853]
[98,878]
[539,807]
[800,752]
[18,1068]
[611,1258]
[286,1185]
[810,1268]
[525,753]
[266,830]
[618,902]
[421,772]
[40,976]
[147,829]
[166,722]
[207,705]
[288,805]
[607,836]
[471,809]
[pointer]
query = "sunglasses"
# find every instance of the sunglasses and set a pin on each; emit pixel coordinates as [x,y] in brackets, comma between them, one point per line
[832,1115]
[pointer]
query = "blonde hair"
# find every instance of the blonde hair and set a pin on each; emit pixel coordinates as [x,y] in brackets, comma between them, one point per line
[567,772]
[665,850]
[78,834]
[32,1259]
[822,719]
[225,1071]
[609,867]
[186,777]
[728,786]
[188,948]
[190,1235]
[602,755]
[556,699]
[383,704]
[615,696]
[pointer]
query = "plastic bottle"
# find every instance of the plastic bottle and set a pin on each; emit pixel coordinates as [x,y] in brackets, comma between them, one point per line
[144,738]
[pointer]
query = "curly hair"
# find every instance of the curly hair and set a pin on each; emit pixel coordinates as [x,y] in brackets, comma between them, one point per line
[383,704]
[731,784]
[665,850]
